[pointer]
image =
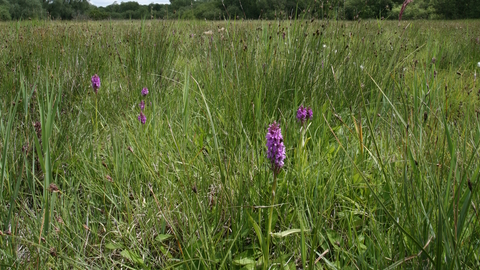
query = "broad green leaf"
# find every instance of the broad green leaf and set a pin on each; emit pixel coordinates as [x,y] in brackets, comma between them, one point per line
[113,246]
[257,230]
[127,254]
[244,261]
[163,237]
[285,233]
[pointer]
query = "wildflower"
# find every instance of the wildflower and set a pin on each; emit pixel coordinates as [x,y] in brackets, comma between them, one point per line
[309,113]
[478,64]
[142,105]
[142,118]
[275,147]
[95,83]
[144,91]
[301,114]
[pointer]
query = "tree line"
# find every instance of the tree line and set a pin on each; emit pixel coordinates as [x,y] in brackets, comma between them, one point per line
[239,9]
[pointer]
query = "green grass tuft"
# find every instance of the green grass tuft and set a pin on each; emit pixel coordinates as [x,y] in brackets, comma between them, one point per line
[385,175]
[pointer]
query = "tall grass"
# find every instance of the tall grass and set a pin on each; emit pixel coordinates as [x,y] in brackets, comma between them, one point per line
[384,176]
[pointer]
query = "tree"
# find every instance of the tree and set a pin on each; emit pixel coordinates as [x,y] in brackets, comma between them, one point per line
[128,6]
[208,10]
[419,9]
[59,10]
[24,9]
[4,10]
[368,9]
[79,7]
[458,9]
[177,4]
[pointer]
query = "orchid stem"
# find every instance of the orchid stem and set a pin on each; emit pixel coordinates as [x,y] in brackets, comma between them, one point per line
[270,217]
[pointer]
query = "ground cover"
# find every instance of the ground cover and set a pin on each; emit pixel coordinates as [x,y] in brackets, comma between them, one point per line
[383,174]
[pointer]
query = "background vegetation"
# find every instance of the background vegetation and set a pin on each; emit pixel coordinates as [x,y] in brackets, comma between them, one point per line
[386,174]
[239,9]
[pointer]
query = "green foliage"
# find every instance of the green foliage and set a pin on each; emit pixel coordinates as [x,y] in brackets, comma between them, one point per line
[208,10]
[384,176]
[4,13]
[416,10]
[66,10]
[5,10]
[458,9]
[57,10]
[246,9]
[367,9]
[97,14]
[25,9]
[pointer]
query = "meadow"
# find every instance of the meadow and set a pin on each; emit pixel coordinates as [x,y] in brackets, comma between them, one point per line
[385,174]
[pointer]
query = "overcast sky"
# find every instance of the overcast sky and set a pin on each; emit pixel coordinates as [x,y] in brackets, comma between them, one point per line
[104,3]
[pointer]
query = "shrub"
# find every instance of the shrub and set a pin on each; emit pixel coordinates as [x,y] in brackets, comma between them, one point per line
[4,14]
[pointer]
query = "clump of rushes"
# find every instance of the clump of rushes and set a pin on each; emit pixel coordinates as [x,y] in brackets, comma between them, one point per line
[144,91]
[276,155]
[95,83]
[142,118]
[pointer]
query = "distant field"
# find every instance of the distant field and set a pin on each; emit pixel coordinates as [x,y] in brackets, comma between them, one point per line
[384,175]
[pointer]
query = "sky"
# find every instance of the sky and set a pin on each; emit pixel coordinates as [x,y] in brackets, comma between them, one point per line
[104,3]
